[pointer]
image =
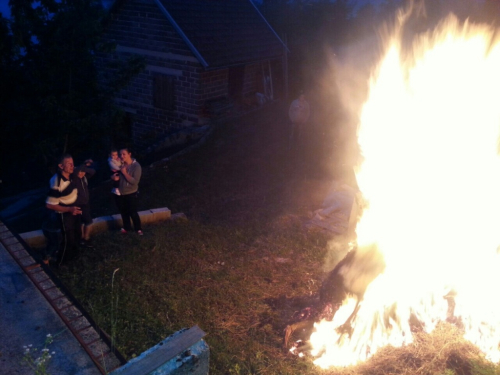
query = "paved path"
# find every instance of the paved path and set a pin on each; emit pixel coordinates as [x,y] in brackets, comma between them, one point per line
[26,317]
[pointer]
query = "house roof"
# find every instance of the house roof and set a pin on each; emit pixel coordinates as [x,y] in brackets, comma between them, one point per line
[223,33]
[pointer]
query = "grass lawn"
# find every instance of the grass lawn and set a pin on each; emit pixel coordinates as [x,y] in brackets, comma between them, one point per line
[242,263]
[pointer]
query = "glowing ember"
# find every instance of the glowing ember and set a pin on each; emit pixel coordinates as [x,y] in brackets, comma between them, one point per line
[431,173]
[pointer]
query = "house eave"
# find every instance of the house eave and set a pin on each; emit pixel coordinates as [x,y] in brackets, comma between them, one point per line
[181,33]
[268,25]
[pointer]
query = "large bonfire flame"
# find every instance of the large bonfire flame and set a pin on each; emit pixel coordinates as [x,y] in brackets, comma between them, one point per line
[431,173]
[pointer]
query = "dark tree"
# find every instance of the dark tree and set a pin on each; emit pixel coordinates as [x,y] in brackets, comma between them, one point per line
[53,100]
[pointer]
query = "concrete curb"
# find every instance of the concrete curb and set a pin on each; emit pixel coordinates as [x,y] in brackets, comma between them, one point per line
[36,239]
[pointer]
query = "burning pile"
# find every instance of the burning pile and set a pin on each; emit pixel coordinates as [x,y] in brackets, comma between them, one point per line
[429,136]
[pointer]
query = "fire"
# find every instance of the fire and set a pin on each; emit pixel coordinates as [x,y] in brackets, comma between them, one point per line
[431,176]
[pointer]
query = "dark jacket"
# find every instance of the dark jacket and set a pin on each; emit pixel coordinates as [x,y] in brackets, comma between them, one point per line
[82,185]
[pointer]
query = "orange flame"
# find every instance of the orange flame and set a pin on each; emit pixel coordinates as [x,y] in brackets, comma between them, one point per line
[431,175]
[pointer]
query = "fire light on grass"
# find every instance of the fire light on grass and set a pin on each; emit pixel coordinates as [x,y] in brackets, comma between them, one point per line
[431,176]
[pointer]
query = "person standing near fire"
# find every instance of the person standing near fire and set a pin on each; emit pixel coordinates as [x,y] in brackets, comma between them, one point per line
[128,177]
[298,113]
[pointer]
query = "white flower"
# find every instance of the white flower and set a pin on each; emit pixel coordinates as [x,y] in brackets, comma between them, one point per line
[45,350]
[49,335]
[53,353]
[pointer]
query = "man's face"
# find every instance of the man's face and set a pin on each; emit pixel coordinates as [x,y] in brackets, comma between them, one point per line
[67,166]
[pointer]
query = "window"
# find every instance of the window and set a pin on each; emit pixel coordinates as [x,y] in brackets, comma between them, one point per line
[235,82]
[163,92]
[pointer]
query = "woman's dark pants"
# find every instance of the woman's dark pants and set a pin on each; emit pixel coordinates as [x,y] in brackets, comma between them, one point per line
[127,205]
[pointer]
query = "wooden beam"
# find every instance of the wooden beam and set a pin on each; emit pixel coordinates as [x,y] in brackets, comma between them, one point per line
[163,353]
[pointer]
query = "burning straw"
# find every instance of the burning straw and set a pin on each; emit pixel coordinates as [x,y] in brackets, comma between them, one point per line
[443,349]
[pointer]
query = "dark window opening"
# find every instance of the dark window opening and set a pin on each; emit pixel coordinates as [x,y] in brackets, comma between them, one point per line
[122,134]
[235,82]
[163,92]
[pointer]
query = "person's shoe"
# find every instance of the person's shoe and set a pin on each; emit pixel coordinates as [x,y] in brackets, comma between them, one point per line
[139,232]
[48,260]
[123,231]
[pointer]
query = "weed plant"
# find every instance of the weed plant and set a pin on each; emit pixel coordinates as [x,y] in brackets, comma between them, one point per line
[38,360]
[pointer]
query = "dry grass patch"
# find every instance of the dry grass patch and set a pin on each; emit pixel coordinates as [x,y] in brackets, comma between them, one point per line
[444,351]
[241,285]
[182,274]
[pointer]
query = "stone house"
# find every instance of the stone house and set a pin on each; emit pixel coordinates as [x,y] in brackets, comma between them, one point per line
[204,58]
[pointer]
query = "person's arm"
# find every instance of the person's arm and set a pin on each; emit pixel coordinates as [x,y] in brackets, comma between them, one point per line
[63,209]
[114,165]
[134,177]
[54,198]
[89,172]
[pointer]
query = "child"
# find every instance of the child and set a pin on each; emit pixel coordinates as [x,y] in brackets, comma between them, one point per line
[83,198]
[115,164]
